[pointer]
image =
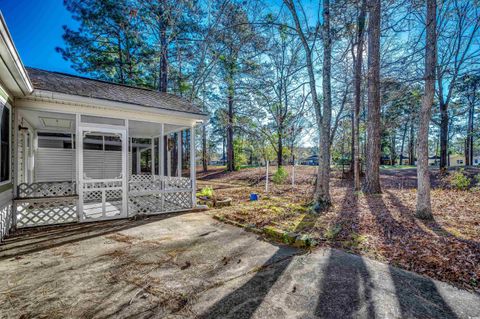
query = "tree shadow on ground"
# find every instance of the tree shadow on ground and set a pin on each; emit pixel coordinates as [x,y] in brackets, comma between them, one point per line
[35,240]
[345,290]
[433,225]
[244,301]
[407,290]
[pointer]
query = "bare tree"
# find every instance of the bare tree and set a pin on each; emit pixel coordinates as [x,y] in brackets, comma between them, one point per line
[458,26]
[424,209]
[358,82]
[372,176]
[323,111]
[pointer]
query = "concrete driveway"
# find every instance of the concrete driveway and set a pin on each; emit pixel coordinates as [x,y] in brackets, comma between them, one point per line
[189,265]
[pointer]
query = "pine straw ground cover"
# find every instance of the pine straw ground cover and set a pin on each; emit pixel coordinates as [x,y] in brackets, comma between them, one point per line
[382,226]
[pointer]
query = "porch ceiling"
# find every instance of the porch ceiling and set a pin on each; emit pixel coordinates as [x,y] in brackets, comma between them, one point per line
[62,122]
[147,129]
[48,121]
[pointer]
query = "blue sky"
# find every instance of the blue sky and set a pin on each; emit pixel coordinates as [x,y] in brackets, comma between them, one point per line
[36,29]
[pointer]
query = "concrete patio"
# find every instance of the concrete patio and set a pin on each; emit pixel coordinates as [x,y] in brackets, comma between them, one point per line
[189,265]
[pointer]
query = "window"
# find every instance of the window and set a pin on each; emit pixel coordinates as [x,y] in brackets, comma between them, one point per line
[460,162]
[5,143]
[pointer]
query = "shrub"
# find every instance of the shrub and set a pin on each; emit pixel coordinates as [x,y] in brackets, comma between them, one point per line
[331,233]
[459,180]
[280,176]
[206,192]
[477,178]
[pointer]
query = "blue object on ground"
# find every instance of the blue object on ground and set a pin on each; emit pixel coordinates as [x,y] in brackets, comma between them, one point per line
[253,196]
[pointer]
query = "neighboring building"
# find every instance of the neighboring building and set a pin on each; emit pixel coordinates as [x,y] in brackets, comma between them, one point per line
[75,149]
[311,160]
[405,160]
[434,160]
[476,160]
[455,160]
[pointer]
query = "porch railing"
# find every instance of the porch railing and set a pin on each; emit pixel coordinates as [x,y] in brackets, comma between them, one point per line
[46,189]
[150,194]
[49,203]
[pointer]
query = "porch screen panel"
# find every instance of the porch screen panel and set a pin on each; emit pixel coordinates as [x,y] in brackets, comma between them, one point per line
[102,175]
[54,165]
[102,157]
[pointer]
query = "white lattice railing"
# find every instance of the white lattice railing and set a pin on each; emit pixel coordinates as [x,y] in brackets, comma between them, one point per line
[45,211]
[5,220]
[46,189]
[149,194]
[50,203]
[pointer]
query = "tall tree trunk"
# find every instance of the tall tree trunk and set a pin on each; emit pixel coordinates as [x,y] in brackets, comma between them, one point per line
[471,116]
[204,149]
[322,192]
[393,155]
[322,189]
[424,208]
[411,144]
[443,135]
[402,148]
[224,153]
[372,176]
[280,149]
[230,151]
[120,61]
[163,76]
[358,97]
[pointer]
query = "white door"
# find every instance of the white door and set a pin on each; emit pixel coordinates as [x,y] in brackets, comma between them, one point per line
[102,173]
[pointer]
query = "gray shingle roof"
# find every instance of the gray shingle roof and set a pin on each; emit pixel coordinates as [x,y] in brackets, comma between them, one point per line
[76,85]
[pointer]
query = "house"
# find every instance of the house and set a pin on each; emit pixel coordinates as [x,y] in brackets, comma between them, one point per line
[74,149]
[476,160]
[455,160]
[311,160]
[434,160]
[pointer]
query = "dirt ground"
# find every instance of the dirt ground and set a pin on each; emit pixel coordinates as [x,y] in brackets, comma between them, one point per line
[381,226]
[191,266]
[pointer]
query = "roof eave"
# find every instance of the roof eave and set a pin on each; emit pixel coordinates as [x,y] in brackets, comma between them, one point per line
[12,72]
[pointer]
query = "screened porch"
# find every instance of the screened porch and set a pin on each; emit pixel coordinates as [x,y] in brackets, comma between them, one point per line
[80,168]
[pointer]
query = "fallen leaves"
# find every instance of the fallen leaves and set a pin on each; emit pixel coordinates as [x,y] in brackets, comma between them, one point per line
[379,226]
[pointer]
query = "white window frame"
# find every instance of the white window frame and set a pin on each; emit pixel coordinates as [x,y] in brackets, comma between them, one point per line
[7,105]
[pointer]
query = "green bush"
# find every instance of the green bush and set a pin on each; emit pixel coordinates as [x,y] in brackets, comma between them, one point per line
[459,180]
[477,178]
[332,232]
[280,176]
[206,192]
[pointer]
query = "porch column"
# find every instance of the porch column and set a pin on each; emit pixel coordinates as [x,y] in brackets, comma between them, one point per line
[192,166]
[78,165]
[130,158]
[152,154]
[161,146]
[179,154]
[138,168]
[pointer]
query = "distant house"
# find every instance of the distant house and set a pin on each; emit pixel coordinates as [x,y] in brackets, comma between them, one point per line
[456,160]
[434,160]
[476,160]
[311,160]
[404,160]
